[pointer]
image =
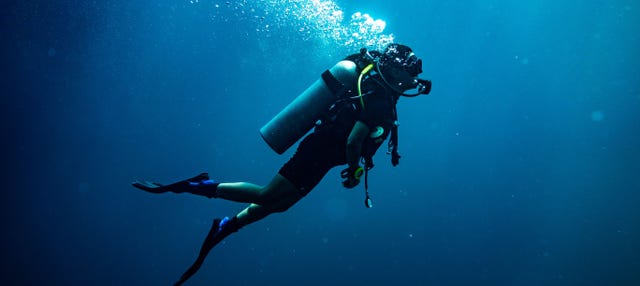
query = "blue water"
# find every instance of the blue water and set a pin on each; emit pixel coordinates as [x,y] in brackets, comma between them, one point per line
[521,167]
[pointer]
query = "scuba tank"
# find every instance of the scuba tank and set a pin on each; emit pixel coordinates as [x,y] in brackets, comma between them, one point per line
[297,118]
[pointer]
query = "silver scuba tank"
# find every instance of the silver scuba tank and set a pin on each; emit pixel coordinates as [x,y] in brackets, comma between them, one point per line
[297,118]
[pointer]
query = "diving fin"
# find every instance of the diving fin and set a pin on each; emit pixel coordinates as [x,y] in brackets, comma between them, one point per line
[199,185]
[220,229]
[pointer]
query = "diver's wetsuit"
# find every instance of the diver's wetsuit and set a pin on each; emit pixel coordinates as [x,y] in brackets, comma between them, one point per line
[318,152]
[325,148]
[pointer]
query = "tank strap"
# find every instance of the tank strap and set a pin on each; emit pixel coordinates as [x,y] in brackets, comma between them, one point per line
[332,82]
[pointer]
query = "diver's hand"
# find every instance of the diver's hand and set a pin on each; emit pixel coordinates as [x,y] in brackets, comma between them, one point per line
[352,176]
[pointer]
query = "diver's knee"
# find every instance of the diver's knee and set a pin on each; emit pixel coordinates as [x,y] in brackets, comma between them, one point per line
[265,196]
[284,203]
[274,204]
[279,196]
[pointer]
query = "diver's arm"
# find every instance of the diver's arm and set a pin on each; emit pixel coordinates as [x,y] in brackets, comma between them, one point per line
[354,144]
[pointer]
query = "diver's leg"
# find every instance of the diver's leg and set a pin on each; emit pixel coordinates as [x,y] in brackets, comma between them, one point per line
[277,196]
[238,192]
[280,194]
[274,195]
[241,192]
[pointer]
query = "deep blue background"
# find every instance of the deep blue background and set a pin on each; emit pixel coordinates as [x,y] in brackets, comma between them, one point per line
[521,168]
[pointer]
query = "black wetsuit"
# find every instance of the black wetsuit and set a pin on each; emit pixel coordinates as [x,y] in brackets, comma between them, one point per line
[318,152]
[325,147]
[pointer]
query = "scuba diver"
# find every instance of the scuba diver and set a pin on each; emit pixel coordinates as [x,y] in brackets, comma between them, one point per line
[353,109]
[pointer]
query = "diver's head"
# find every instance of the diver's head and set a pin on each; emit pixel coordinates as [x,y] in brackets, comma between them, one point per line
[402,57]
[400,66]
